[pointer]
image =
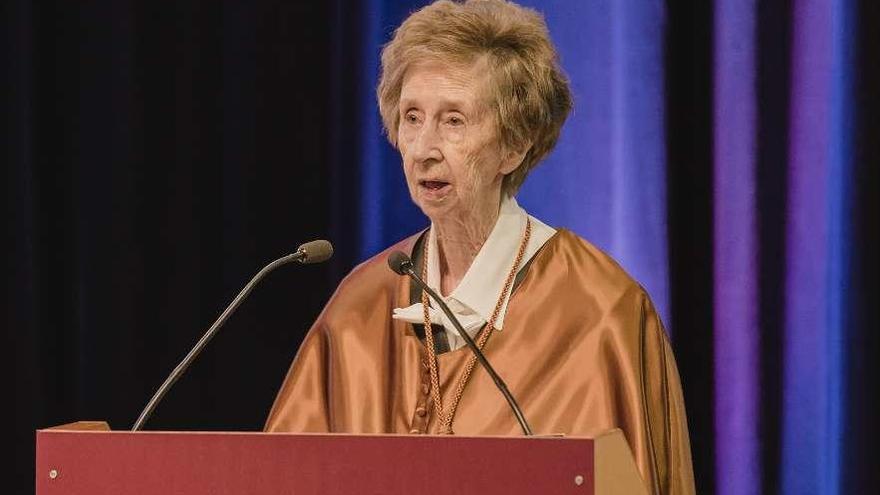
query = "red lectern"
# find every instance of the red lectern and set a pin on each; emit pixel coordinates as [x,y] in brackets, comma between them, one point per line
[86,458]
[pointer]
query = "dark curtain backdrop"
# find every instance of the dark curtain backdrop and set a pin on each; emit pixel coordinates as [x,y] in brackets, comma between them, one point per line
[158,154]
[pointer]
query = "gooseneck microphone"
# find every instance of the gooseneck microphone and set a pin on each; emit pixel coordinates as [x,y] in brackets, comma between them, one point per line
[308,253]
[402,265]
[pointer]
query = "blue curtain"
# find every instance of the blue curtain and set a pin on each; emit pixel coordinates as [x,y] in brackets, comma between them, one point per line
[813,133]
[785,211]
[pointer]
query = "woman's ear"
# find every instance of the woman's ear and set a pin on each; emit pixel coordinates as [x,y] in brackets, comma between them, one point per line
[513,158]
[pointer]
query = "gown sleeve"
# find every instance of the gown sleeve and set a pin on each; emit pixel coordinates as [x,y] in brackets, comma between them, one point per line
[302,403]
[665,421]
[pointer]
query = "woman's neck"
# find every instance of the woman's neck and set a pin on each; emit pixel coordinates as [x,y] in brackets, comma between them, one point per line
[458,242]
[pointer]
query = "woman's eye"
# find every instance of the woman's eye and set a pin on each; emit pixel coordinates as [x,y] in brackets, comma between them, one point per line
[456,121]
[411,118]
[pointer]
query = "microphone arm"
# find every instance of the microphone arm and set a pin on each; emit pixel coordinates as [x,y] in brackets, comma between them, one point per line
[310,252]
[403,265]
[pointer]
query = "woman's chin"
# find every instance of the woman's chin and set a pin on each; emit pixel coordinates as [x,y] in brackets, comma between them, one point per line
[435,208]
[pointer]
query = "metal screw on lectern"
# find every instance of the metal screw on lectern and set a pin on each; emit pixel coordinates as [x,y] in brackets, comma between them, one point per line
[53,474]
[578,480]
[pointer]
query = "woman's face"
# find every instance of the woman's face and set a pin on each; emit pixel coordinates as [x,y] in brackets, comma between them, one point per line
[452,158]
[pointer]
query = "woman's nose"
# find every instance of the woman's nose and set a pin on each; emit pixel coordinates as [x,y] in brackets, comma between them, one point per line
[426,146]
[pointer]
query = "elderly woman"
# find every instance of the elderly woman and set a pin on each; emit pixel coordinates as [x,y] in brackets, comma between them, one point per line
[473,98]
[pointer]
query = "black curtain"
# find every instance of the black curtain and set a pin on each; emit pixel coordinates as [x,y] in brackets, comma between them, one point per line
[158,154]
[688,60]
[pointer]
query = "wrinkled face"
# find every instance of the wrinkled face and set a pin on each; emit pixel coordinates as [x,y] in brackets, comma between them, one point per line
[452,157]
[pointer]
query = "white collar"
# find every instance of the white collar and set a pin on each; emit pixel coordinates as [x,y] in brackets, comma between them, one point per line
[473,301]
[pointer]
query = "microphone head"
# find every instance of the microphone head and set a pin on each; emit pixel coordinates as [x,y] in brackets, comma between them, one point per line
[399,263]
[315,251]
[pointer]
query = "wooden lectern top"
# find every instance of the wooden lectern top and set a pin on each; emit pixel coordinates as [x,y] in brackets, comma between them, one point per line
[86,458]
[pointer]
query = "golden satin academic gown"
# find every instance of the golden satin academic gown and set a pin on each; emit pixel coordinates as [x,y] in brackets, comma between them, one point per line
[582,350]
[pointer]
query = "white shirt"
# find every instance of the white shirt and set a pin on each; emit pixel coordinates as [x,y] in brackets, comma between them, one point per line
[474,300]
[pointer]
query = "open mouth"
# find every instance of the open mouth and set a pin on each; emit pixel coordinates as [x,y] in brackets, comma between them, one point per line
[433,185]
